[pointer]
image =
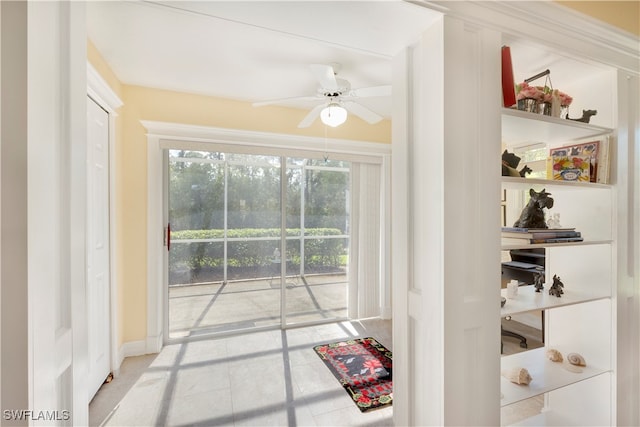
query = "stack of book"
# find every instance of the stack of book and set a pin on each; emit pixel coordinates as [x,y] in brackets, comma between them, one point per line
[516,235]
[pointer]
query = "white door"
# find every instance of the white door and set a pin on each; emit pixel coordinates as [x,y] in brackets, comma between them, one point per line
[98,245]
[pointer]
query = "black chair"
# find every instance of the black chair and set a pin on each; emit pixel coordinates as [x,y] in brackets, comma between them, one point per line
[525,276]
[506,333]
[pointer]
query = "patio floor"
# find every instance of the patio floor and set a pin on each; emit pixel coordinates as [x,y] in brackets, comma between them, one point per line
[197,309]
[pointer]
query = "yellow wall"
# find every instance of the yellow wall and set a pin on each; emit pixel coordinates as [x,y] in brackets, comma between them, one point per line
[160,105]
[141,103]
[622,14]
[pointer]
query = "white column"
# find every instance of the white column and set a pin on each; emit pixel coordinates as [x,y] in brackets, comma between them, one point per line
[626,167]
[446,195]
[57,207]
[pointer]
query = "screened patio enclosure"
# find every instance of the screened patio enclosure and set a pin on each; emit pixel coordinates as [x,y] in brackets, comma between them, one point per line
[256,241]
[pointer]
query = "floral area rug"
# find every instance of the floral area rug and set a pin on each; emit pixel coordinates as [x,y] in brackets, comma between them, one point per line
[363,366]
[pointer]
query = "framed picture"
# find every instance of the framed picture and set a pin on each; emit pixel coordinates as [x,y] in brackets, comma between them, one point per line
[561,157]
[571,168]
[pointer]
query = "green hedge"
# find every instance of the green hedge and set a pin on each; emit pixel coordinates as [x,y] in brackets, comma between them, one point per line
[251,253]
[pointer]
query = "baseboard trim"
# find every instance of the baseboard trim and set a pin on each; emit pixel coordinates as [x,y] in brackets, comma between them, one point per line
[133,348]
[154,344]
[136,348]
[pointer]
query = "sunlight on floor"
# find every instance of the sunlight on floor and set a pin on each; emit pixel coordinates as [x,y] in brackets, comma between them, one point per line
[263,378]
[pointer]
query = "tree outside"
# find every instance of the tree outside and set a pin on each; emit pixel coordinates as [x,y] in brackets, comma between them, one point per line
[198,184]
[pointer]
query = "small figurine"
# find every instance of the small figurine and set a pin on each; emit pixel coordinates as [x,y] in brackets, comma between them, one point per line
[556,287]
[586,116]
[510,162]
[554,221]
[532,215]
[525,171]
[538,281]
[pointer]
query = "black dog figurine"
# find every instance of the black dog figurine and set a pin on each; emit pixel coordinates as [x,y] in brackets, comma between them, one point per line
[510,162]
[586,116]
[538,281]
[556,288]
[532,215]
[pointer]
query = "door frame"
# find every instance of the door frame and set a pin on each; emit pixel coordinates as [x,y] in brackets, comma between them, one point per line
[99,90]
[161,135]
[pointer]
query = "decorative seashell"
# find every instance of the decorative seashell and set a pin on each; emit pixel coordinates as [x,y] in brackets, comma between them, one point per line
[517,375]
[576,359]
[554,355]
[573,368]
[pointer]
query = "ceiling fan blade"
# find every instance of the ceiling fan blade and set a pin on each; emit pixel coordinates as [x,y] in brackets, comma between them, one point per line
[325,75]
[281,100]
[368,92]
[311,117]
[363,112]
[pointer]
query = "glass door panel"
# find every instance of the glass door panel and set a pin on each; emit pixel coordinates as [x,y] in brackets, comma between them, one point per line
[317,206]
[228,267]
[196,255]
[224,212]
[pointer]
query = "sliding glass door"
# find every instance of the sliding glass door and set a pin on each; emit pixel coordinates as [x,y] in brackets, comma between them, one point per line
[318,239]
[232,265]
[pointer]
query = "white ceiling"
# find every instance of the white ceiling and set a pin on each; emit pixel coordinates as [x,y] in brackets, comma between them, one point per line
[254,51]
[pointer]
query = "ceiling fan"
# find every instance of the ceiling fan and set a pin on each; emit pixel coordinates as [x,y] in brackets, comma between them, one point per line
[336,98]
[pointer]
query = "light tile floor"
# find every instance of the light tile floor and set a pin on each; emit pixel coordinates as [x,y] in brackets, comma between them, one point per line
[268,378]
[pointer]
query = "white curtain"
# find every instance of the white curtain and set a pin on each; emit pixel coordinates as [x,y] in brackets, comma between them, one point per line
[365,292]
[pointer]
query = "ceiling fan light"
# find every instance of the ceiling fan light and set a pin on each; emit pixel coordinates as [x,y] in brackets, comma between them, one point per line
[333,115]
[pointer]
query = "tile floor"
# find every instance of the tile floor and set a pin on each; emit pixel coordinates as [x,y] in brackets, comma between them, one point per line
[269,378]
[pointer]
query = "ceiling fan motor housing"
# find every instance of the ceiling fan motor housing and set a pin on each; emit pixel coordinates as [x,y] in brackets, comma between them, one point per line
[343,87]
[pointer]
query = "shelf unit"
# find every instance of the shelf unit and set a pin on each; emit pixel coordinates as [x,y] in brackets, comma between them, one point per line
[530,300]
[521,126]
[511,182]
[506,246]
[547,375]
[581,319]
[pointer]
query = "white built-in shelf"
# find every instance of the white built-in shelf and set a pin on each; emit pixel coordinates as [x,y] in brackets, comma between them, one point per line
[521,126]
[547,375]
[548,418]
[517,183]
[507,246]
[530,300]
